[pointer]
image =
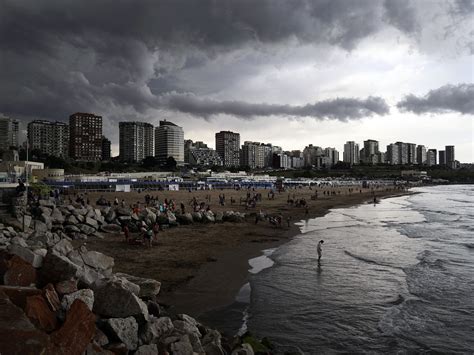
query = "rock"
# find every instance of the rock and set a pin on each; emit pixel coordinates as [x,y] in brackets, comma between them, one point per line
[66,287]
[27,255]
[71,219]
[113,299]
[17,334]
[52,297]
[95,349]
[171,218]
[46,219]
[41,252]
[110,216]
[118,348]
[156,329]
[57,216]
[86,229]
[77,331]
[125,330]
[212,343]
[57,267]
[148,287]
[100,338]
[186,325]
[64,247]
[186,218]
[92,222]
[197,216]
[45,210]
[218,216]
[182,347]
[85,295]
[70,229]
[123,211]
[80,212]
[153,308]
[88,276]
[18,295]
[150,349]
[47,203]
[19,241]
[111,228]
[196,343]
[244,349]
[208,217]
[38,311]
[19,273]
[97,260]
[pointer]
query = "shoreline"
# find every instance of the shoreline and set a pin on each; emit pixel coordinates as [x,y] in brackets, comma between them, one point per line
[203,266]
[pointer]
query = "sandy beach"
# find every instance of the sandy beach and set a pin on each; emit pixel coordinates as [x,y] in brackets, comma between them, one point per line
[202,266]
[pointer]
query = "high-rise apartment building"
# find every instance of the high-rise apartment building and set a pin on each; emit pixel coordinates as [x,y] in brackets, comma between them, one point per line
[450,158]
[106,151]
[169,142]
[431,157]
[8,133]
[253,155]
[411,149]
[332,156]
[421,155]
[370,153]
[135,141]
[391,156]
[85,136]
[228,147]
[51,138]
[442,157]
[402,153]
[198,153]
[351,153]
[312,155]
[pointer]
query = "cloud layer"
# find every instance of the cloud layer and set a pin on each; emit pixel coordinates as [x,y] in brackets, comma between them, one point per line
[448,98]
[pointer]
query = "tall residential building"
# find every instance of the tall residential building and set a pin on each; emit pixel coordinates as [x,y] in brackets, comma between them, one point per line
[411,149]
[402,153]
[51,138]
[421,155]
[431,157]
[370,153]
[8,133]
[169,142]
[198,153]
[253,155]
[135,141]
[106,151]
[228,147]
[85,136]
[449,149]
[391,156]
[442,157]
[268,155]
[312,155]
[332,156]
[351,153]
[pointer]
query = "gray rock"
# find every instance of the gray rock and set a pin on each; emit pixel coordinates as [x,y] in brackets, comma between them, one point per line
[186,218]
[150,349]
[71,219]
[196,343]
[156,329]
[110,228]
[47,203]
[89,276]
[57,267]
[97,260]
[40,227]
[185,327]
[208,217]
[114,299]
[63,247]
[123,211]
[57,216]
[19,241]
[26,254]
[46,220]
[110,216]
[70,228]
[171,217]
[197,216]
[80,212]
[80,218]
[212,343]
[92,222]
[41,251]
[244,349]
[182,347]
[86,229]
[45,210]
[148,287]
[218,216]
[85,295]
[125,329]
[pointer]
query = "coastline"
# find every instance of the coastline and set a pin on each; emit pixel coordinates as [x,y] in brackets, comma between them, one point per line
[203,266]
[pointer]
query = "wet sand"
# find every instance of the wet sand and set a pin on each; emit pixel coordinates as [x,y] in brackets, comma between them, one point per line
[203,266]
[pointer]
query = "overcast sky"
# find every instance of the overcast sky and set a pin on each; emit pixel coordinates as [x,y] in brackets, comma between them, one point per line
[290,73]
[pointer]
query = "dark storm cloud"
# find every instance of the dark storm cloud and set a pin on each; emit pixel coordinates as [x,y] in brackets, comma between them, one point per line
[342,109]
[448,98]
[402,15]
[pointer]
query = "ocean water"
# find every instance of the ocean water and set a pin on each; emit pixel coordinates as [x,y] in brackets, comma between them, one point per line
[397,276]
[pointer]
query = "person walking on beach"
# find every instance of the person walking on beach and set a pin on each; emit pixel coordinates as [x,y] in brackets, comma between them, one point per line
[319,249]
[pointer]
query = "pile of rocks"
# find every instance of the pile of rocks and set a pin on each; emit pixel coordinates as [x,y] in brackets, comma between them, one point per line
[53,222]
[60,299]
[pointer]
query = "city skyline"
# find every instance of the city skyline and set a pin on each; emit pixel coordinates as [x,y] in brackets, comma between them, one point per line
[296,73]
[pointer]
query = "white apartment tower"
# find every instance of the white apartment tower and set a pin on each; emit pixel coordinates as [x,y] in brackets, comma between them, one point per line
[169,142]
[135,141]
[351,153]
[51,138]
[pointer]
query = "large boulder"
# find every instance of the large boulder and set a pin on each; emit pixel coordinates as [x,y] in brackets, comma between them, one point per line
[219,216]
[114,299]
[85,295]
[123,211]
[17,334]
[66,287]
[156,329]
[110,216]
[71,219]
[148,287]
[40,227]
[57,216]
[211,342]
[150,349]
[182,347]
[111,228]
[186,218]
[38,311]
[64,247]
[186,325]
[77,331]
[124,330]
[197,216]
[208,217]
[98,261]
[26,254]
[92,222]
[57,267]
[19,273]
[86,229]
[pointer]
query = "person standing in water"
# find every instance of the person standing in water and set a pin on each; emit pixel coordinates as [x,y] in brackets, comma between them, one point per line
[319,249]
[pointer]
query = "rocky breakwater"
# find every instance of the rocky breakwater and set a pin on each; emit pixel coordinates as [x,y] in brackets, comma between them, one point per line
[57,299]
